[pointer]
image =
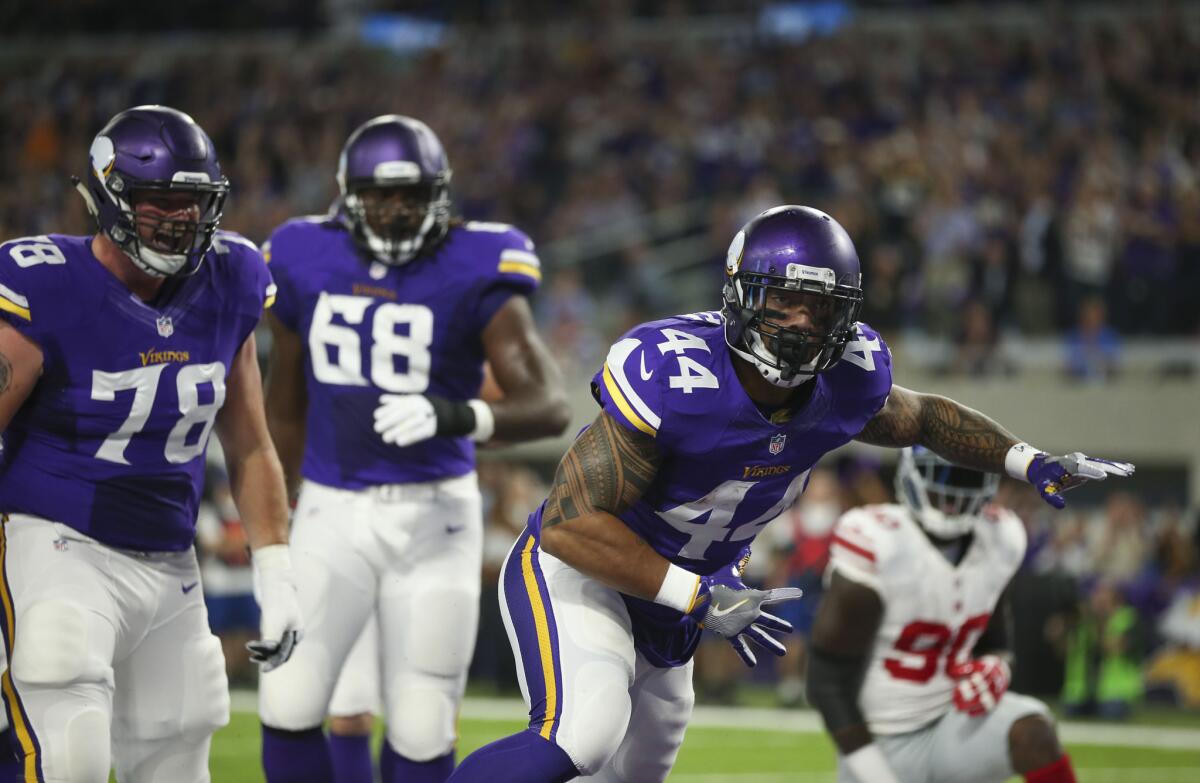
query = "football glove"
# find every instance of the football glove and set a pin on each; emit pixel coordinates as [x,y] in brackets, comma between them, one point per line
[281,626]
[725,606]
[980,684]
[405,419]
[1052,476]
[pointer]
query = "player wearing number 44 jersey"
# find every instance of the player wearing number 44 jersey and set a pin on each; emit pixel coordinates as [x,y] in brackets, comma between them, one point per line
[709,426]
[387,310]
[909,660]
[119,354]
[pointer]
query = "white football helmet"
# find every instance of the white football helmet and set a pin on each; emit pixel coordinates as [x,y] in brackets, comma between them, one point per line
[944,498]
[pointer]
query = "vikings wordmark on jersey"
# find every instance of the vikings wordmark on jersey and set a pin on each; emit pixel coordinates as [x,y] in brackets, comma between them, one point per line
[934,611]
[111,441]
[674,379]
[375,328]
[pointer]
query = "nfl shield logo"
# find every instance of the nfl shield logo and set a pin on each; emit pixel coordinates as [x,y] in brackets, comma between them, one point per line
[777,442]
[165,327]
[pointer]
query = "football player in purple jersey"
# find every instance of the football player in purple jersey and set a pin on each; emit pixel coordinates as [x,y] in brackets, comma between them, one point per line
[119,353]
[709,426]
[388,309]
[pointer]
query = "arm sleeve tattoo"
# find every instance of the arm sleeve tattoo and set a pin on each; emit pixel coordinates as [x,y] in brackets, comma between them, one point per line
[606,469]
[956,432]
[6,372]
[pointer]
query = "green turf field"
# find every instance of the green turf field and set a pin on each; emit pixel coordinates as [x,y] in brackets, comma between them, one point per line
[717,755]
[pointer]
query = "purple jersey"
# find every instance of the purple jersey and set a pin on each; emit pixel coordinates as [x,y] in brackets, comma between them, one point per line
[111,440]
[372,329]
[727,469]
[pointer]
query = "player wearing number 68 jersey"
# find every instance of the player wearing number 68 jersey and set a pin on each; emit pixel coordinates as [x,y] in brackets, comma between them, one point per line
[387,310]
[119,354]
[909,662]
[709,426]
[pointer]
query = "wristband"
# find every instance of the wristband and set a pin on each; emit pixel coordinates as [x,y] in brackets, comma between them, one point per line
[1017,460]
[679,588]
[275,557]
[869,765]
[485,421]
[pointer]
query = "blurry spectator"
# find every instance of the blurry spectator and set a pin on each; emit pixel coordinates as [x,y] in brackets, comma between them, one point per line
[977,345]
[1102,650]
[1119,546]
[1185,311]
[1091,234]
[1147,260]
[1176,668]
[1092,347]
[225,572]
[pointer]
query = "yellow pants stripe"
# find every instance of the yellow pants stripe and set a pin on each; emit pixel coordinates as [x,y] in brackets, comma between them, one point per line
[29,747]
[543,636]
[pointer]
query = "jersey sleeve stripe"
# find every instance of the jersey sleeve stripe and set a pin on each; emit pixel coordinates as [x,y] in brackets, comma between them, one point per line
[270,296]
[855,548]
[623,405]
[520,257]
[516,267]
[12,302]
[615,365]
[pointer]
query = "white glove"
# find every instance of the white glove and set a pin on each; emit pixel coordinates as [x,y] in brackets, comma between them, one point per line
[405,419]
[281,625]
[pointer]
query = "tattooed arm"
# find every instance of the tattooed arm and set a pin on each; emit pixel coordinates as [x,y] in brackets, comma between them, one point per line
[603,473]
[953,430]
[20,366]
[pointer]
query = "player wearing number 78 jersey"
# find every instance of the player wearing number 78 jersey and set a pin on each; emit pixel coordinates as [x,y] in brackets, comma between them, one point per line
[119,354]
[709,425]
[909,650]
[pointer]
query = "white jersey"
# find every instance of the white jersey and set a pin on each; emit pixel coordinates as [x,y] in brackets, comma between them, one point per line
[934,611]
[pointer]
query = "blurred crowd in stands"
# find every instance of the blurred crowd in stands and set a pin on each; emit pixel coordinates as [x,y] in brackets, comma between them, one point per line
[997,180]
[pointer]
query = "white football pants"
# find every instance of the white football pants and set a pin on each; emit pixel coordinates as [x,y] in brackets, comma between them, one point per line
[113,663]
[618,717]
[409,554]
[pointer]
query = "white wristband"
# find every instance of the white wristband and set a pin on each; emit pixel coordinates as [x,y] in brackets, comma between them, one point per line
[869,765]
[485,421]
[1016,461]
[275,557]
[679,588]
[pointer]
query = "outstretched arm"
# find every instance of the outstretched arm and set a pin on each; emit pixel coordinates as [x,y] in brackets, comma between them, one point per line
[967,437]
[960,434]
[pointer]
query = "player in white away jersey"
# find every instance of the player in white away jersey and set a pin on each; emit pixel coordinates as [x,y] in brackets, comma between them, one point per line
[909,664]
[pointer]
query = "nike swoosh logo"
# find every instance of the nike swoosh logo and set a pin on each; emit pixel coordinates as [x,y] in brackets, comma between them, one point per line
[453,530]
[718,611]
[188,588]
[645,375]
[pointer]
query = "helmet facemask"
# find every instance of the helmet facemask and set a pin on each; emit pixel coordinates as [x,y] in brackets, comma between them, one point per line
[760,305]
[396,221]
[944,498]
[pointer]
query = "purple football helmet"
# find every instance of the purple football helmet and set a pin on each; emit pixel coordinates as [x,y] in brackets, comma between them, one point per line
[395,184]
[791,251]
[156,189]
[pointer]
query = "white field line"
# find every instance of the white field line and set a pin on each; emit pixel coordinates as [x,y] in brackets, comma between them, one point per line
[1085,774]
[807,722]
